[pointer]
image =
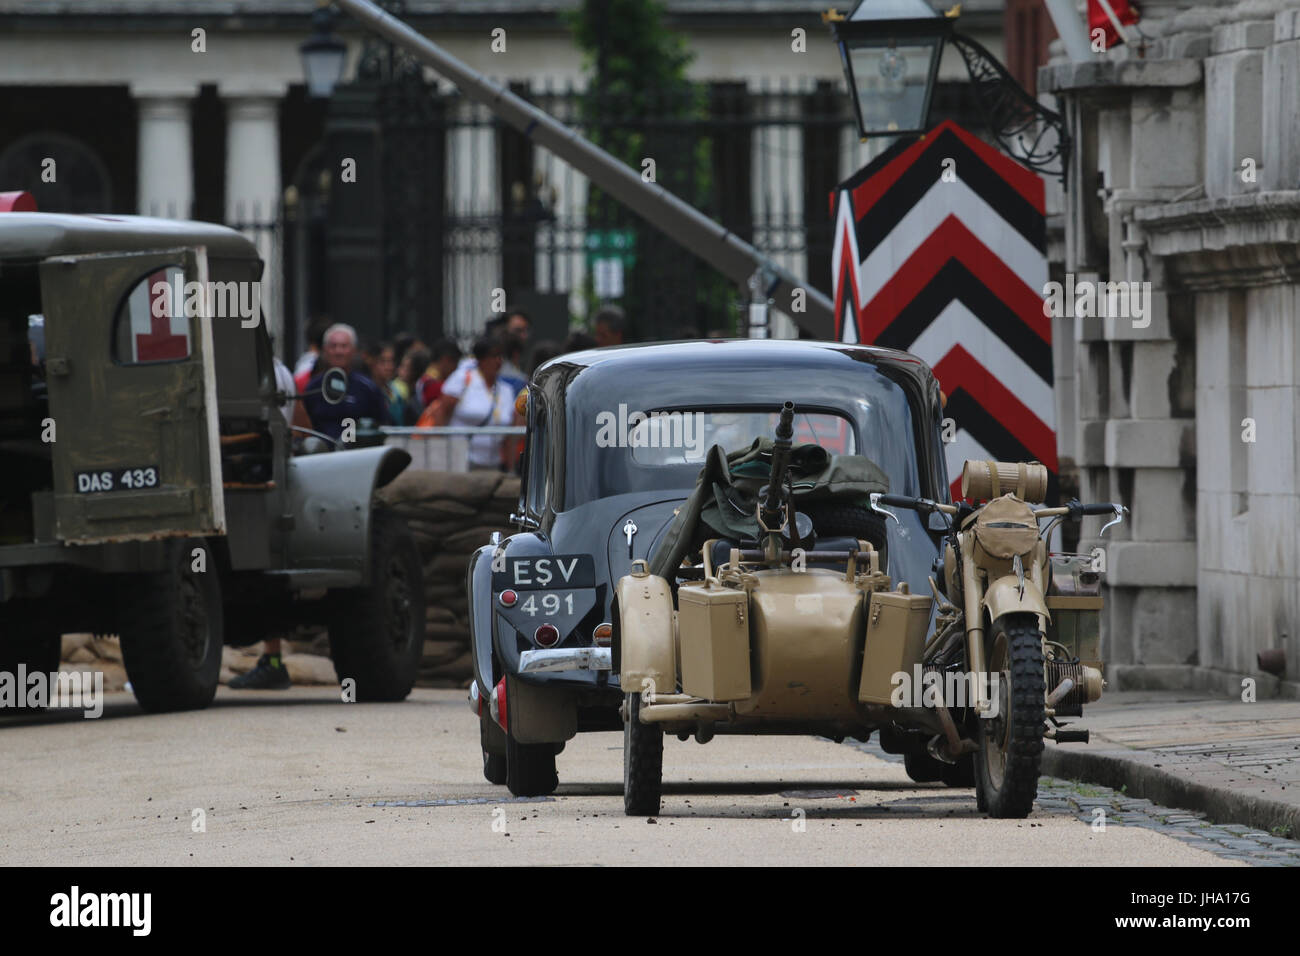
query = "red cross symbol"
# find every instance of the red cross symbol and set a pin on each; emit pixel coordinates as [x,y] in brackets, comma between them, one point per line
[160,344]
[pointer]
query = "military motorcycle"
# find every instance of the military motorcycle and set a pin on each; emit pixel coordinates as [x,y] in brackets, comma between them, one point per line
[802,631]
[1020,622]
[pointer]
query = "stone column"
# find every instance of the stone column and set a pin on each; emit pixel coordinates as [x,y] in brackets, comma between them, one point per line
[253,188]
[776,191]
[1281,131]
[473,175]
[165,163]
[1134,439]
[1203,575]
[1234,91]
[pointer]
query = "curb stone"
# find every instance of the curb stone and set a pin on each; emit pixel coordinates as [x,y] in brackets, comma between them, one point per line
[1225,807]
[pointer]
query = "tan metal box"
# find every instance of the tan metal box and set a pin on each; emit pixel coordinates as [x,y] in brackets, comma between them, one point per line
[713,624]
[647,658]
[896,629]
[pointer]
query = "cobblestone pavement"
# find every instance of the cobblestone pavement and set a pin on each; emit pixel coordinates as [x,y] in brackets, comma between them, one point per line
[1230,841]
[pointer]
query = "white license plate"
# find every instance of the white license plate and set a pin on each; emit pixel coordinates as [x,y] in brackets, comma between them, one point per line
[117,479]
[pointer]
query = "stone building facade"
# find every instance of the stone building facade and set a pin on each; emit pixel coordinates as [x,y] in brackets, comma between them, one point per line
[1187,165]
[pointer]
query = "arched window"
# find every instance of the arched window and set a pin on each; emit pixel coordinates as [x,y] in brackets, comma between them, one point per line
[151,324]
[62,173]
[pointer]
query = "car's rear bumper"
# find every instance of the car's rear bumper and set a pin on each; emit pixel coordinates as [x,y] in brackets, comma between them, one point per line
[565,659]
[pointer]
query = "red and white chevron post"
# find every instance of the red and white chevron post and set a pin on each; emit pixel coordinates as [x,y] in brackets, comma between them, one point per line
[940,250]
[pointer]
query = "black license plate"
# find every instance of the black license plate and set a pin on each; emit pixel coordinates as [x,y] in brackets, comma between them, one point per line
[117,479]
[546,572]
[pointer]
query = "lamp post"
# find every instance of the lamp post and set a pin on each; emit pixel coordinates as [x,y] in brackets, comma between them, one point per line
[322,53]
[890,51]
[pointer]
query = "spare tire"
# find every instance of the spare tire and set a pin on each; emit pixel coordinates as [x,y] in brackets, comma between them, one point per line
[833,519]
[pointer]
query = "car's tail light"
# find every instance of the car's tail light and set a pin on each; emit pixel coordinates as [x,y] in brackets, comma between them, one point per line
[602,635]
[508,598]
[548,635]
[497,704]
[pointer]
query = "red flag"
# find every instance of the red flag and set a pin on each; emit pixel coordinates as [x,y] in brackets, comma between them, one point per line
[1099,19]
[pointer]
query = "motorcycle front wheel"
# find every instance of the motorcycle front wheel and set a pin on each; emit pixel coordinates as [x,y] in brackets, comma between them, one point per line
[1011,743]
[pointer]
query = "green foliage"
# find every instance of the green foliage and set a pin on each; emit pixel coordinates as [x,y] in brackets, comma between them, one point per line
[636,57]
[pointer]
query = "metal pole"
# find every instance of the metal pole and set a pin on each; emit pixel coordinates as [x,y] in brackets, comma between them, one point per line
[1071,29]
[758,317]
[685,224]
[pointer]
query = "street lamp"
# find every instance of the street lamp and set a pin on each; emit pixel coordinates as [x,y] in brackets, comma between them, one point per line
[890,50]
[322,53]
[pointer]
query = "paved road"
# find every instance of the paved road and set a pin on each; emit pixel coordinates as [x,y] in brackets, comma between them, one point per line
[302,778]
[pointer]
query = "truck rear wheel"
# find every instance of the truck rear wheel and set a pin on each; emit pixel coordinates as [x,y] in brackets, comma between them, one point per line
[31,640]
[377,632]
[643,763]
[171,630]
[1011,744]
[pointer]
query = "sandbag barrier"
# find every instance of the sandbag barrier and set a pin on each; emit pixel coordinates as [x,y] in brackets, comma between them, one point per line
[451,514]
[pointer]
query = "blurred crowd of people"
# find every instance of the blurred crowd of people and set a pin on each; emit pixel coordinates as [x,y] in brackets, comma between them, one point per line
[406,382]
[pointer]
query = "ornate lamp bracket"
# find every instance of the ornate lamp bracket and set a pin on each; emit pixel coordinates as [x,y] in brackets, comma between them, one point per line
[1020,124]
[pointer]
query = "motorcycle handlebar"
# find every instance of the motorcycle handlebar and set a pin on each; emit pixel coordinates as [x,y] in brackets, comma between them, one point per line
[899,501]
[1075,510]
[925,505]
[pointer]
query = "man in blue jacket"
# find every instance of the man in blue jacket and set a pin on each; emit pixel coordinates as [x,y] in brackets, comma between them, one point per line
[364,399]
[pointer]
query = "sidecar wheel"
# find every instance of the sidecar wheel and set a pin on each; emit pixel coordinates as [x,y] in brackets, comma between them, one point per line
[643,763]
[1011,744]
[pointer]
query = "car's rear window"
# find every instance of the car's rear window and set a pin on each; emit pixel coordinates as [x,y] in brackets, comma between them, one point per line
[664,439]
[875,421]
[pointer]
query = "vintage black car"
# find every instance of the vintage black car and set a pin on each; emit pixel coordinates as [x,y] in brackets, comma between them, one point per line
[616,440]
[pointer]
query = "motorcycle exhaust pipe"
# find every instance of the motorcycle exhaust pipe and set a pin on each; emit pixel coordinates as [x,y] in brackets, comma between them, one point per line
[1063,688]
[955,746]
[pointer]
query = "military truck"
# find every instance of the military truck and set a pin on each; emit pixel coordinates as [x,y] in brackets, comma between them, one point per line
[148,482]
